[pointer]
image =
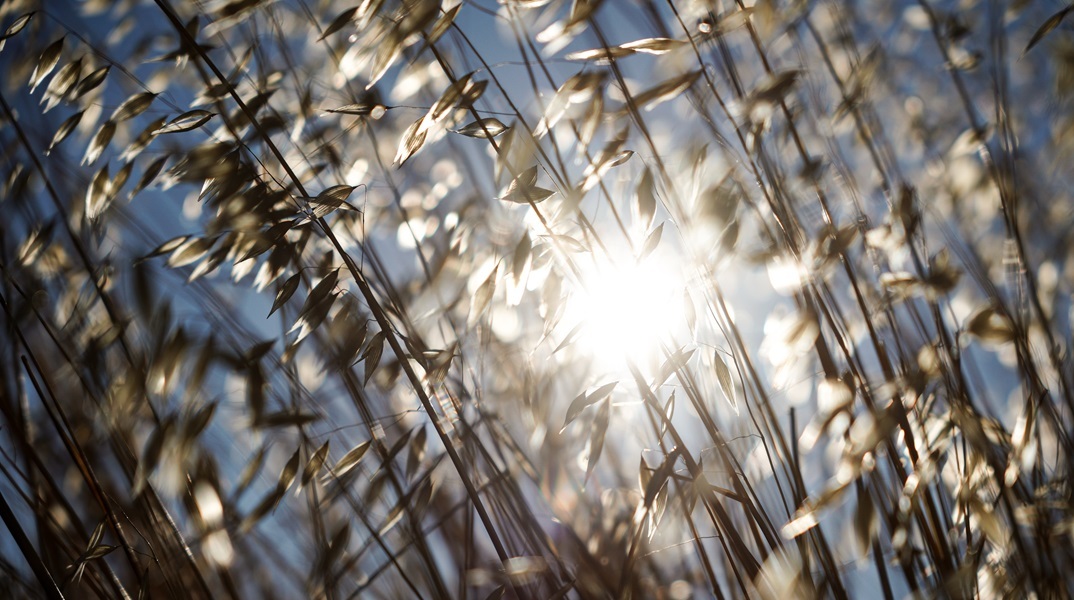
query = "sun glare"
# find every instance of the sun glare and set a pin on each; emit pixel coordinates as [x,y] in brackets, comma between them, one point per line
[627,309]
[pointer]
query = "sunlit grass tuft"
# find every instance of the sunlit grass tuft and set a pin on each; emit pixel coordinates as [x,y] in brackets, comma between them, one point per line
[536,299]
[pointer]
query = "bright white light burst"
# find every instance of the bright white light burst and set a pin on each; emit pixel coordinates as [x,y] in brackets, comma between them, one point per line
[627,310]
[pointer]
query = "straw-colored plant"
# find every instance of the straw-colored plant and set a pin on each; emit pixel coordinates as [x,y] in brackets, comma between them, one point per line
[622,299]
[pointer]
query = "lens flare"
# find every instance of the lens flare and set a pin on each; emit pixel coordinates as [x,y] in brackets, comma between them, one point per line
[625,310]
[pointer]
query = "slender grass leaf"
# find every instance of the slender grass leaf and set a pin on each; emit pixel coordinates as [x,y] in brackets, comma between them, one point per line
[443,23]
[99,551]
[91,82]
[990,325]
[866,523]
[601,55]
[645,199]
[594,115]
[16,27]
[689,310]
[341,21]
[397,447]
[727,384]
[483,296]
[1050,24]
[570,337]
[190,251]
[597,433]
[120,179]
[199,421]
[62,84]
[669,412]
[654,45]
[331,199]
[523,570]
[585,400]
[387,52]
[610,156]
[263,508]
[620,158]
[65,130]
[674,363]
[411,142]
[416,453]
[290,470]
[451,97]
[651,242]
[521,256]
[97,535]
[313,466]
[143,140]
[311,318]
[393,518]
[527,195]
[168,246]
[151,454]
[285,292]
[192,119]
[484,128]
[576,89]
[360,110]
[319,292]
[351,459]
[97,194]
[252,468]
[527,178]
[645,474]
[666,90]
[570,243]
[523,189]
[803,521]
[99,143]
[149,175]
[46,63]
[373,351]
[656,481]
[133,106]
[422,498]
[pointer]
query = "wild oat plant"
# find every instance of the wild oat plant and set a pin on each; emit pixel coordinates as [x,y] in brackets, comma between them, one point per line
[536,299]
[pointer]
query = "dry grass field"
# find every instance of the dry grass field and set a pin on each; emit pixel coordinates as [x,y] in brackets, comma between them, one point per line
[536,299]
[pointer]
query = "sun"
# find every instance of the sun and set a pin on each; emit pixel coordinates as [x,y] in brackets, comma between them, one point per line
[626,309]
